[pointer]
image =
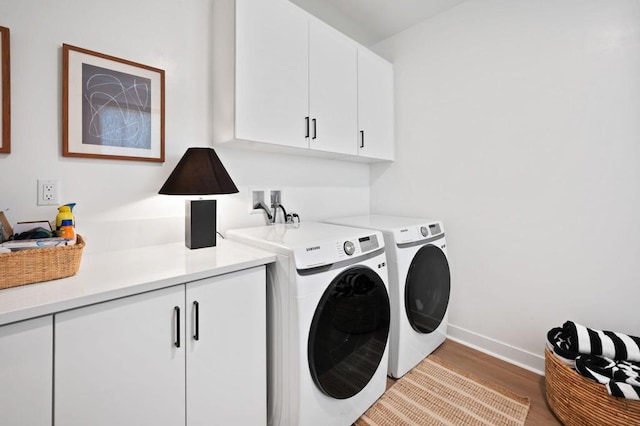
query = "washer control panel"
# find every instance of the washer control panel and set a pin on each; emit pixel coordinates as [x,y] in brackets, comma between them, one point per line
[332,251]
[364,244]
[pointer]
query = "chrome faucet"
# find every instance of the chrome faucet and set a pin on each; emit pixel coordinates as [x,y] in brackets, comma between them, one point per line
[276,205]
[288,218]
[261,205]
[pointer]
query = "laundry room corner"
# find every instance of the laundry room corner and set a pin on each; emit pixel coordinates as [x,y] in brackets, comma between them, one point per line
[515,126]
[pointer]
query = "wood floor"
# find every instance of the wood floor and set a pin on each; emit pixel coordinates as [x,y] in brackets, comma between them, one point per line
[518,380]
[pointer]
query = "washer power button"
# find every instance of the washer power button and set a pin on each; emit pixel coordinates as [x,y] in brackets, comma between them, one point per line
[349,248]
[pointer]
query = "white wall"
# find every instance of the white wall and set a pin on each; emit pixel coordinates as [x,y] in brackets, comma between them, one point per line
[371,21]
[517,124]
[117,201]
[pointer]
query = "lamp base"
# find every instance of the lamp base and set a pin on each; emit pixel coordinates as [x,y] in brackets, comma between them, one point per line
[200,224]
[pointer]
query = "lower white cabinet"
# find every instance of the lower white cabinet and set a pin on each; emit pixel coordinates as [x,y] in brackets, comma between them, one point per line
[116,362]
[226,364]
[193,353]
[26,350]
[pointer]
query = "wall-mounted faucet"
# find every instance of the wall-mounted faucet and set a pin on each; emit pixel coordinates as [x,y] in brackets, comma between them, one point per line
[261,205]
[276,205]
[288,218]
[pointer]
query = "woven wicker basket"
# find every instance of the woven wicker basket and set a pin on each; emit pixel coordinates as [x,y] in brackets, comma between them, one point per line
[578,401]
[42,264]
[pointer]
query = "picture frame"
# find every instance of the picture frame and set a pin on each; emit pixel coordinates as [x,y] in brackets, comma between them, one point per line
[5,91]
[112,108]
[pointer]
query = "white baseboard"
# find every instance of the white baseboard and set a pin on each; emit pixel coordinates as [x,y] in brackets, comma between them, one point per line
[520,357]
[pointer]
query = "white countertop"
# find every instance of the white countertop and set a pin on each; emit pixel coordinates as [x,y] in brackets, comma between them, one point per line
[111,275]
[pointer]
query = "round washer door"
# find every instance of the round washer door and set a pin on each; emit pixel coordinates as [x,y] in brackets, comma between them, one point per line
[427,289]
[349,332]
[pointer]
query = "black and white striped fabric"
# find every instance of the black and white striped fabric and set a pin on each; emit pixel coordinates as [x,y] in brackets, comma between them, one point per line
[622,378]
[558,343]
[606,343]
[623,390]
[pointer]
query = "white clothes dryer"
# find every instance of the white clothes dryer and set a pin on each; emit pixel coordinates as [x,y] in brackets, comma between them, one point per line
[328,317]
[419,285]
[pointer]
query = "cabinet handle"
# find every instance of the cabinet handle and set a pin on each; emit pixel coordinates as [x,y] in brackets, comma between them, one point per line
[177,311]
[306,120]
[315,133]
[196,306]
[361,138]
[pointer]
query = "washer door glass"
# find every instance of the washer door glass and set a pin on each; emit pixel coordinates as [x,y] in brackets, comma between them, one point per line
[349,332]
[426,292]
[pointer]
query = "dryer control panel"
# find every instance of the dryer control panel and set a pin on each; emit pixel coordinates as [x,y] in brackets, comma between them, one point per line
[326,253]
[415,233]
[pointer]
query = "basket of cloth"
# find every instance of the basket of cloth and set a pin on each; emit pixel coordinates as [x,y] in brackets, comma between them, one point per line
[592,377]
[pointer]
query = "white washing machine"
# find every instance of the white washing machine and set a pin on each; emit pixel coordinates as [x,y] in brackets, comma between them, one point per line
[419,283]
[328,321]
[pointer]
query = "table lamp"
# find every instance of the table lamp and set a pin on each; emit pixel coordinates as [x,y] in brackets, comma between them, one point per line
[199,172]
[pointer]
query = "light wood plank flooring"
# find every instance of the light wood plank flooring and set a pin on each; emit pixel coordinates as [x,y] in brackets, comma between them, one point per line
[519,380]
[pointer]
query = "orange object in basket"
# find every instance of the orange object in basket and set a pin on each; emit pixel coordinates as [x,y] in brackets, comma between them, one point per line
[67,232]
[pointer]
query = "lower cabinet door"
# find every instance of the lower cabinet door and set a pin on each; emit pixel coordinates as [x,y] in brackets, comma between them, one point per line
[26,350]
[226,359]
[118,362]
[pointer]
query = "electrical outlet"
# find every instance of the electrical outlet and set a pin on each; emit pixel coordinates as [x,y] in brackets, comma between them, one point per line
[48,192]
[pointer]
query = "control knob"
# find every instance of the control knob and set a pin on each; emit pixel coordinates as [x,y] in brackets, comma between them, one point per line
[424,231]
[349,248]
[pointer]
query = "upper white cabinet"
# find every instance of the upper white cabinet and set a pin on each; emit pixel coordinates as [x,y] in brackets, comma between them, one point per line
[271,73]
[375,106]
[285,81]
[333,89]
[26,350]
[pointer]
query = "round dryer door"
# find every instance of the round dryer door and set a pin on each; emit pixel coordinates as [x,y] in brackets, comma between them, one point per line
[349,332]
[427,288]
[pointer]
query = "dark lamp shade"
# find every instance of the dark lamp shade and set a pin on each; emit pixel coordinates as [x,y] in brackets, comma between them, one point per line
[199,172]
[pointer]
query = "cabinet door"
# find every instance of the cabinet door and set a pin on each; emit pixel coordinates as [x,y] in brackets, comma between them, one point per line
[116,362]
[271,72]
[26,357]
[226,365]
[332,90]
[375,106]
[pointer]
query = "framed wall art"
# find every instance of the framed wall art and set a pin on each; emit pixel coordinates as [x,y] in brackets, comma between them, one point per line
[112,108]
[5,92]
